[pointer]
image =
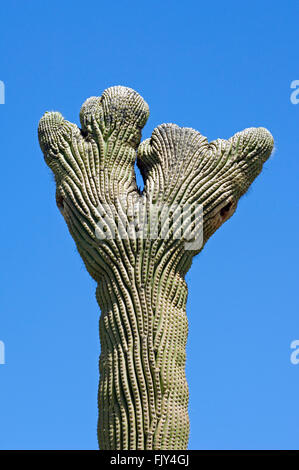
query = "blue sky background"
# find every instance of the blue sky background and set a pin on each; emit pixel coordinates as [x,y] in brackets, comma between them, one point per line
[218,67]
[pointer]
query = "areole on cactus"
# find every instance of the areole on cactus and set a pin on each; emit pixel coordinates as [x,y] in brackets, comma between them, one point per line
[141,288]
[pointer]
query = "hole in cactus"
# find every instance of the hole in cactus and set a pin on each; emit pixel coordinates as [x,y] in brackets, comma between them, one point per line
[59,201]
[225,210]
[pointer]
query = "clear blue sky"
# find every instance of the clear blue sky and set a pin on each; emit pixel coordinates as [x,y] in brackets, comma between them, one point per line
[218,67]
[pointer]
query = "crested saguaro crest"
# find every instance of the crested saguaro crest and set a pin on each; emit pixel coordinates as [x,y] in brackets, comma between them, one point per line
[139,257]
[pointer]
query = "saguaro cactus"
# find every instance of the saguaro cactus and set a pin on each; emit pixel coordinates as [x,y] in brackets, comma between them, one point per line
[141,290]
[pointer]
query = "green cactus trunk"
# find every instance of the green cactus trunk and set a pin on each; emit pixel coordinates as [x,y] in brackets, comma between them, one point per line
[143,392]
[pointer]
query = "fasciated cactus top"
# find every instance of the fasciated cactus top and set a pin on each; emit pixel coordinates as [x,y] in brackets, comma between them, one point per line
[138,246]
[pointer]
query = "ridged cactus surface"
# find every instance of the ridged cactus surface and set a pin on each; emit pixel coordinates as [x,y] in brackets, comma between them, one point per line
[136,245]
